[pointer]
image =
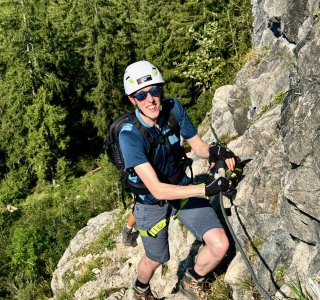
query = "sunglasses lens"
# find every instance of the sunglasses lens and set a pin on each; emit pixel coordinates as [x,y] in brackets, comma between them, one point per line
[155,92]
[141,96]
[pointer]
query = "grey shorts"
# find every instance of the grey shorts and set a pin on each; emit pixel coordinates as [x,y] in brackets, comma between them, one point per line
[198,216]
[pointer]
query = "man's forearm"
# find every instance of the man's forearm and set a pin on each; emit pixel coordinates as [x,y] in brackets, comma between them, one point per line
[165,191]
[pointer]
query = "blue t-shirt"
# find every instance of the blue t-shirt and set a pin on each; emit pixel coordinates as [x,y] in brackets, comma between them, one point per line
[135,147]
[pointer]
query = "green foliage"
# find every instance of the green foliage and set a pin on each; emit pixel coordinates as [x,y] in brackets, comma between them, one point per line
[207,63]
[225,138]
[48,220]
[105,294]
[164,269]
[106,239]
[15,185]
[220,47]
[280,273]
[26,289]
[27,245]
[204,104]
[277,99]
[219,289]
[252,247]
[247,284]
[244,103]
[47,141]
[296,288]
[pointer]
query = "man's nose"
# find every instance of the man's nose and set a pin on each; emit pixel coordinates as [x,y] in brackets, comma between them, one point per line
[149,97]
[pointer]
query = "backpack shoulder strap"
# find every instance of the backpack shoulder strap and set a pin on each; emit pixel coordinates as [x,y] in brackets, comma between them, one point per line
[167,108]
[143,130]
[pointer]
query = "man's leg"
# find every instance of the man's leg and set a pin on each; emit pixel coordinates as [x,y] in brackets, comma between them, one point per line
[146,268]
[214,250]
[131,220]
[128,234]
[156,248]
[200,218]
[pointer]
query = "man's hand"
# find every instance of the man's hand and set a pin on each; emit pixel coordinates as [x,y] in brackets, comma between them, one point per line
[218,152]
[215,186]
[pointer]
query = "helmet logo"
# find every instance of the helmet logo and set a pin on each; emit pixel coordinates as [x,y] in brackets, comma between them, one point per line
[144,79]
[154,72]
[130,80]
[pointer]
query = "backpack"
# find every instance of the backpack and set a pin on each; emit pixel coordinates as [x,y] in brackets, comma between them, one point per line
[112,148]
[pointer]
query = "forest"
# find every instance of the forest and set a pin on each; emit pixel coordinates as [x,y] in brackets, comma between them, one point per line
[61,72]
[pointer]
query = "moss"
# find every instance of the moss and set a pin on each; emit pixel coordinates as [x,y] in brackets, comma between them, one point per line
[252,247]
[280,273]
[164,269]
[257,54]
[123,259]
[225,138]
[244,103]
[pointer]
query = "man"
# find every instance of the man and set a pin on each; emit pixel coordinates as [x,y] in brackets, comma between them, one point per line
[143,85]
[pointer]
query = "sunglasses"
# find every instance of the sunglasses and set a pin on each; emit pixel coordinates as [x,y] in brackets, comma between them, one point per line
[154,92]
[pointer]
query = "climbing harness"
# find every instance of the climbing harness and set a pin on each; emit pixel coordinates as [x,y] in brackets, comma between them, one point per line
[153,231]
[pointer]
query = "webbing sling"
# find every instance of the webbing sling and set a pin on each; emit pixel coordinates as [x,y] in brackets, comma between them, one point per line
[153,231]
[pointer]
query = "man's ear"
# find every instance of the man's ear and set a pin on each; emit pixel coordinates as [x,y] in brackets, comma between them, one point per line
[132,100]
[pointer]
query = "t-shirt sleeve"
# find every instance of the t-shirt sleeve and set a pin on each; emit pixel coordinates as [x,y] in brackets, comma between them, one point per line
[187,129]
[133,146]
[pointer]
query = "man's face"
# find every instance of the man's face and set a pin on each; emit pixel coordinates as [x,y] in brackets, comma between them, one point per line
[148,100]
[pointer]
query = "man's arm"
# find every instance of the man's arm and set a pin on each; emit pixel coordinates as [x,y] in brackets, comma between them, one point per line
[165,191]
[201,148]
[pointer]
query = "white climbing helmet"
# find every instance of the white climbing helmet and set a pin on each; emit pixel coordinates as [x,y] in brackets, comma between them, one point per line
[139,75]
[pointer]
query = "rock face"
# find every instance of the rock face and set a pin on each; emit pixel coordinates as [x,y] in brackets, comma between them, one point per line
[97,272]
[276,208]
[271,115]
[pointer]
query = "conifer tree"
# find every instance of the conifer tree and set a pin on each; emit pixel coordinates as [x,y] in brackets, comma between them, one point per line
[31,143]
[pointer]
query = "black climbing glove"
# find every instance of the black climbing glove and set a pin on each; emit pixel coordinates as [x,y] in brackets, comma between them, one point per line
[218,152]
[215,186]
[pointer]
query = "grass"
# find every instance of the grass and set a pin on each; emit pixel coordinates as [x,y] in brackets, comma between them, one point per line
[277,99]
[106,239]
[225,138]
[105,294]
[219,289]
[247,284]
[244,103]
[164,269]
[296,289]
[257,54]
[76,280]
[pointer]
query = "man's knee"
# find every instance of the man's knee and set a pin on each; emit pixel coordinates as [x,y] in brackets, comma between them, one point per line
[217,241]
[150,263]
